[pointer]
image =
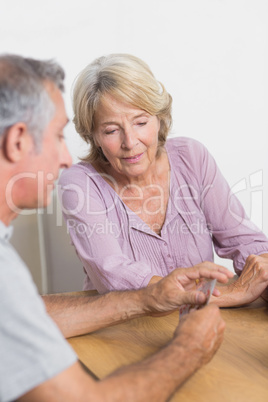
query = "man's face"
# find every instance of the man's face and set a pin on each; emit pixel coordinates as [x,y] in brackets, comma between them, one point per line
[41,169]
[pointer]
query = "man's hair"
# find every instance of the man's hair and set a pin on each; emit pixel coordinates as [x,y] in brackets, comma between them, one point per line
[23,96]
[127,78]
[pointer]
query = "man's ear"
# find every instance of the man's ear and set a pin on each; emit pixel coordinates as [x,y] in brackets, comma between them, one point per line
[18,142]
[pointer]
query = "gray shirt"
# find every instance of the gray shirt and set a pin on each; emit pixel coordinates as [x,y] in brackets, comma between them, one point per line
[32,349]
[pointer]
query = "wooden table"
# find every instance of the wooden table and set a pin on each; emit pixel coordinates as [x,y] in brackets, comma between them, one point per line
[237,373]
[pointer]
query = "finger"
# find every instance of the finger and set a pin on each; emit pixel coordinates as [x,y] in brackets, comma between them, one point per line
[209,315]
[210,310]
[194,297]
[218,272]
[212,265]
[216,292]
[221,277]
[226,271]
[248,263]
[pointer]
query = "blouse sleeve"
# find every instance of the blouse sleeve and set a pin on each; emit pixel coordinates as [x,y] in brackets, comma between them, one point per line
[104,258]
[233,234]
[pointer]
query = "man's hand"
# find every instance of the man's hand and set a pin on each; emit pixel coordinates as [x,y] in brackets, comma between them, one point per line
[179,287]
[81,314]
[201,332]
[251,284]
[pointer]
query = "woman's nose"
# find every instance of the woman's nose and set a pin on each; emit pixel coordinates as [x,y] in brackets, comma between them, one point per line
[129,139]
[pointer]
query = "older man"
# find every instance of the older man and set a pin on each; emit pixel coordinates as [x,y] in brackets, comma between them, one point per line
[36,363]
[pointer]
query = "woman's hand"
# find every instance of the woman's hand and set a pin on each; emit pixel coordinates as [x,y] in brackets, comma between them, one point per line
[251,284]
[179,287]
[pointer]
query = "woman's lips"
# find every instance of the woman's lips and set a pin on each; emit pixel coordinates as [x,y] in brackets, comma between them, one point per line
[133,159]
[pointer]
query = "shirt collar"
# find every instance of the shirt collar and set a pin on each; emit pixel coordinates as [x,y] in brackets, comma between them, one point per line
[5,231]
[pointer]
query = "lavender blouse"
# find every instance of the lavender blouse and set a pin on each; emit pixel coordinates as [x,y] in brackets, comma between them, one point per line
[118,249]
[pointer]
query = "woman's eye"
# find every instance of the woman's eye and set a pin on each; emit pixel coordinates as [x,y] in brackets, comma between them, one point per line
[110,131]
[142,123]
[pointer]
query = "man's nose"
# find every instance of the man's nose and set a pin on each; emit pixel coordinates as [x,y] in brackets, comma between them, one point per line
[66,159]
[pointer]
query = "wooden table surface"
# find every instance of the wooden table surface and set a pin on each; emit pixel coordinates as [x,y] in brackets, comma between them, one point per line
[237,373]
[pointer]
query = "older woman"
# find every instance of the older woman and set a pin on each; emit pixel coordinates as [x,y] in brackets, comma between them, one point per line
[139,206]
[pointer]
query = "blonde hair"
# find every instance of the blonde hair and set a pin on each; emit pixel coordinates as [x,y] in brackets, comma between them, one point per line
[127,78]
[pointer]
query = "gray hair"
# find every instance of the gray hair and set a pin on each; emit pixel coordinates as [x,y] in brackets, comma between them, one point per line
[23,97]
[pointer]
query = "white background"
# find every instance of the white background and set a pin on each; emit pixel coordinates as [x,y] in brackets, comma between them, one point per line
[212,56]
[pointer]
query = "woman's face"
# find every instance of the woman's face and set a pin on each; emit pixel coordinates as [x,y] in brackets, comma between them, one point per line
[128,137]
